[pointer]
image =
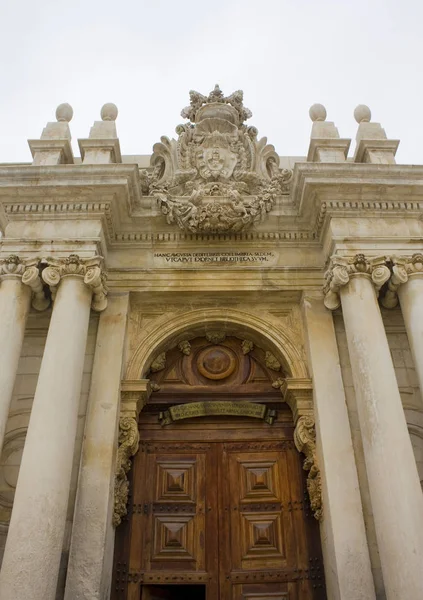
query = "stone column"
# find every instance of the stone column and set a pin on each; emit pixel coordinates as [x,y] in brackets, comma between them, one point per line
[35,539]
[91,550]
[347,561]
[394,485]
[18,280]
[406,283]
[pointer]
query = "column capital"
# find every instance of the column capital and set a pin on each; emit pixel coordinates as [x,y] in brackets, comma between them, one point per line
[403,267]
[89,269]
[27,270]
[342,268]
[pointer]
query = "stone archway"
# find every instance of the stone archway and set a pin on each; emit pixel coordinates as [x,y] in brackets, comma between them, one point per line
[280,342]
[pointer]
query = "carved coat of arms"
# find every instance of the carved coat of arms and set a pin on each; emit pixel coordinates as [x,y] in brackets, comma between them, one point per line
[216,177]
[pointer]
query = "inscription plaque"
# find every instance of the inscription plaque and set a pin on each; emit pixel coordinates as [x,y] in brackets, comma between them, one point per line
[215,408]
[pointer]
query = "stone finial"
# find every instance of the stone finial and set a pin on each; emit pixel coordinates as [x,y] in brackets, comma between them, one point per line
[325,143]
[109,112]
[362,114]
[54,147]
[102,145]
[64,113]
[373,145]
[317,112]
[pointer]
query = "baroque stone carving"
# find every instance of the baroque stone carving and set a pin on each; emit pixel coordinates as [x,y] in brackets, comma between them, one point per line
[128,446]
[247,346]
[217,177]
[28,271]
[342,268]
[305,442]
[272,362]
[215,337]
[90,269]
[402,268]
[185,347]
[158,363]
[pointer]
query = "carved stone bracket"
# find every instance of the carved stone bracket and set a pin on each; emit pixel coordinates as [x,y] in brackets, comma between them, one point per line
[342,268]
[159,363]
[185,347]
[305,442]
[272,362]
[402,268]
[90,269]
[29,272]
[134,395]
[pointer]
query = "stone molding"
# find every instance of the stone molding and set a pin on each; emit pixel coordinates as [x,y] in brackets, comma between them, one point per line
[305,442]
[90,269]
[403,267]
[29,272]
[134,395]
[342,269]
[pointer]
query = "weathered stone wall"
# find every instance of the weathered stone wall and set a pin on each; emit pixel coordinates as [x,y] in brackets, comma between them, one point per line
[23,394]
[413,407]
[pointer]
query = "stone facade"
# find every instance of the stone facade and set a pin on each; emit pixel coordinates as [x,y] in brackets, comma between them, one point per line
[107,261]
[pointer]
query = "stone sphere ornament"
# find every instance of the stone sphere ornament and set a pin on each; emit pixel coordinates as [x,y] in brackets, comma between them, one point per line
[64,112]
[362,114]
[109,112]
[317,112]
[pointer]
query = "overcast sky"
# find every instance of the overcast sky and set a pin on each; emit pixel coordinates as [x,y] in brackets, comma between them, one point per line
[146,56]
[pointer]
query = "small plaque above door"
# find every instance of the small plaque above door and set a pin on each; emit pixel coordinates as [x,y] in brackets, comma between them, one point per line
[219,407]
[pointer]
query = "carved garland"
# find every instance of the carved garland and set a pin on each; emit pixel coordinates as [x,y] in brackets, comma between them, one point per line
[128,446]
[305,442]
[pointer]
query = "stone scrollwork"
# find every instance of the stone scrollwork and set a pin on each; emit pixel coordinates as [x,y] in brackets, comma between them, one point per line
[28,271]
[217,177]
[90,269]
[305,442]
[402,268]
[128,446]
[342,268]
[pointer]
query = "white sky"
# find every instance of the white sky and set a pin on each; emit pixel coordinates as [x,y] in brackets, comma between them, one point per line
[146,56]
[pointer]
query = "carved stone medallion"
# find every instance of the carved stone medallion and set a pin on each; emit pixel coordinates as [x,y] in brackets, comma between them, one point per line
[217,177]
[216,362]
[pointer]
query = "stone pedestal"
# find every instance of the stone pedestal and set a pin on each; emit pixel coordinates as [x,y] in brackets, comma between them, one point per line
[346,554]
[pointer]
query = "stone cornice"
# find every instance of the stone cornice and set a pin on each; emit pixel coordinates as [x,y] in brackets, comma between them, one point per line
[112,194]
[341,269]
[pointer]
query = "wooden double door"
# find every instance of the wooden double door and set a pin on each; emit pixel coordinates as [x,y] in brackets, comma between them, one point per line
[220,520]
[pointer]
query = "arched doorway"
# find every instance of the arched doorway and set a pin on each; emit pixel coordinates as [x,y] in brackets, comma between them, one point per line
[218,507]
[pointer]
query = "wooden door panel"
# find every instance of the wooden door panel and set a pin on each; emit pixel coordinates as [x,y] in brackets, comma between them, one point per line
[175,518]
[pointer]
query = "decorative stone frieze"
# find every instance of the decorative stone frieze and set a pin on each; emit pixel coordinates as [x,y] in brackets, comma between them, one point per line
[134,395]
[217,177]
[305,442]
[88,268]
[342,268]
[28,271]
[402,268]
